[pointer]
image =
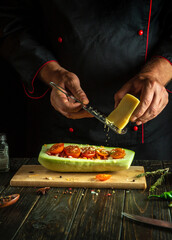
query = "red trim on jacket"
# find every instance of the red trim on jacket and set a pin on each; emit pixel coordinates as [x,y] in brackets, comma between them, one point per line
[35,97]
[147,41]
[146,54]
[31,92]
[163,58]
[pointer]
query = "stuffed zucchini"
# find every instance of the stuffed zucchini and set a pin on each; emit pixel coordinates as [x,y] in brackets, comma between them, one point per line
[69,157]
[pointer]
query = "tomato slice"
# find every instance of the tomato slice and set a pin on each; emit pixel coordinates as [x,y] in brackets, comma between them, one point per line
[88,152]
[72,151]
[103,177]
[102,152]
[56,148]
[117,153]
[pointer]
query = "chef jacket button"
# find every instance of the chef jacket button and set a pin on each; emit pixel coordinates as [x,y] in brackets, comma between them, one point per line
[71,130]
[135,128]
[140,32]
[60,39]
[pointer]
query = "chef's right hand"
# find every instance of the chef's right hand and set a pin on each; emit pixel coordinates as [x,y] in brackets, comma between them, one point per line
[53,72]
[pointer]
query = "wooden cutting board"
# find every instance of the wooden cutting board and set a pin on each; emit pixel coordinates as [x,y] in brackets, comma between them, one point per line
[38,176]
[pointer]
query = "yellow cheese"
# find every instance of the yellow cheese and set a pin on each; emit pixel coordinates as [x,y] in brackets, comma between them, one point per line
[121,115]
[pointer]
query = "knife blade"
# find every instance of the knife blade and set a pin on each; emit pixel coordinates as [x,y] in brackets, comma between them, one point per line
[149,221]
[98,115]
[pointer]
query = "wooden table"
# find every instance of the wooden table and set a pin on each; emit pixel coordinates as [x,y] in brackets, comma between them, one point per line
[80,214]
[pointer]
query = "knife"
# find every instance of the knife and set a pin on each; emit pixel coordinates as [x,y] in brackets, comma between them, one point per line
[100,116]
[149,221]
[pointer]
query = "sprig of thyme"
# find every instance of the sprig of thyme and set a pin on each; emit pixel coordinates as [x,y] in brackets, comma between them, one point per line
[153,173]
[159,181]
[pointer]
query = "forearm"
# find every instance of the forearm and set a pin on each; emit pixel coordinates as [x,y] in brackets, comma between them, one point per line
[50,72]
[158,68]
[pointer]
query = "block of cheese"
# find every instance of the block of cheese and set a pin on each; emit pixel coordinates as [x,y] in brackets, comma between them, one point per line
[120,116]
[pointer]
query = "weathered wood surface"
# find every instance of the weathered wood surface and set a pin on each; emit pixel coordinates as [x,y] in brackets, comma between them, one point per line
[79,213]
[136,202]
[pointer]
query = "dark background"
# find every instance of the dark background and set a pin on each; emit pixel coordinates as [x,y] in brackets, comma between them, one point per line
[12,110]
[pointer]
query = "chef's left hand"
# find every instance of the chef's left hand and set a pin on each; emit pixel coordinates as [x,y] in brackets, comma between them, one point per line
[148,85]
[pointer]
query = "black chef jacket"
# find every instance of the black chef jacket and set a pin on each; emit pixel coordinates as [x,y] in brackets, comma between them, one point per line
[105,43]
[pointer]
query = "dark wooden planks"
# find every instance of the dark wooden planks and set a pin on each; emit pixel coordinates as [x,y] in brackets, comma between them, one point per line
[52,216]
[56,212]
[136,202]
[82,214]
[99,216]
[12,217]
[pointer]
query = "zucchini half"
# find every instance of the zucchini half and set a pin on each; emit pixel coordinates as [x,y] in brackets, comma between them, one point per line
[61,164]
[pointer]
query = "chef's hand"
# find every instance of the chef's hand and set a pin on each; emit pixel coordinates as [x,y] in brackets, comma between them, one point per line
[53,72]
[148,85]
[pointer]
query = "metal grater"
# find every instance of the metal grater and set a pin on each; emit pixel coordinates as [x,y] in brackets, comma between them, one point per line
[101,117]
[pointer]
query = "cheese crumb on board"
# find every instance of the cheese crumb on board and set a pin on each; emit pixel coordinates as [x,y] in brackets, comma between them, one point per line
[120,116]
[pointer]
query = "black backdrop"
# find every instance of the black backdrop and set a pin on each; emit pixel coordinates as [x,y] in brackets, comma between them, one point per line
[12,110]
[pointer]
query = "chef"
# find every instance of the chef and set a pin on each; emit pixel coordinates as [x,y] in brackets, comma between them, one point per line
[98,51]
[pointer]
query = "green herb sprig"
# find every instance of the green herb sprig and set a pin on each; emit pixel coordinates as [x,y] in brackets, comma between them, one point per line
[153,173]
[160,172]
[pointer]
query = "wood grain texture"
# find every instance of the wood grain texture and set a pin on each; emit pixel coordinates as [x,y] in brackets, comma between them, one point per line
[83,213]
[136,202]
[52,216]
[12,217]
[99,216]
[37,175]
